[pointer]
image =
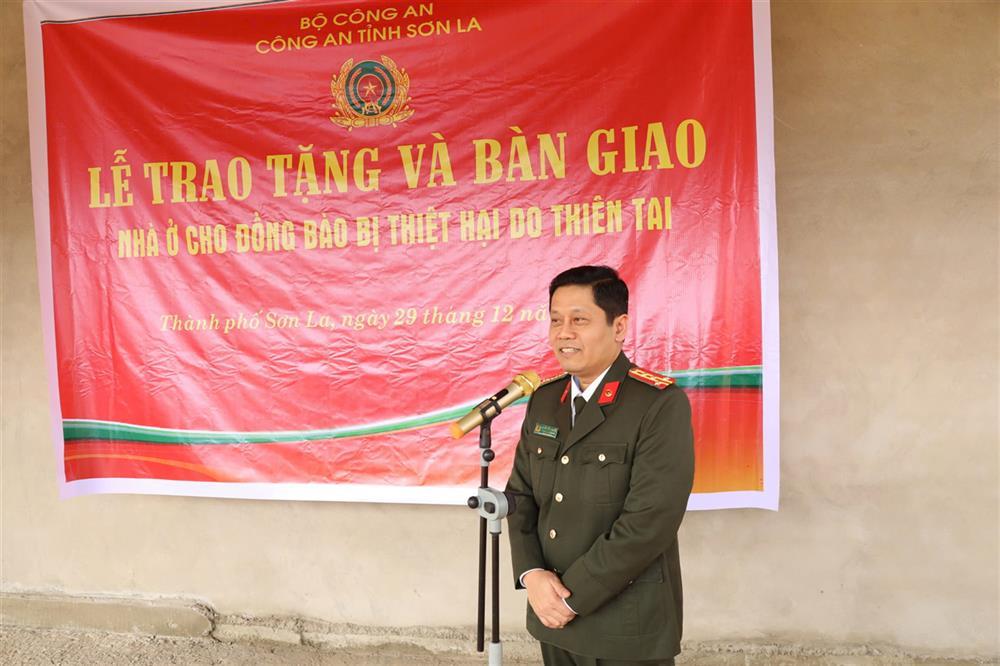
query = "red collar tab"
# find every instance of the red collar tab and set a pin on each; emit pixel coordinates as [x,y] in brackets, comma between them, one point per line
[608,393]
[651,378]
[565,392]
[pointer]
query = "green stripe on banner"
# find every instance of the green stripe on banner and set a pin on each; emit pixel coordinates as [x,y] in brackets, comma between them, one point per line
[746,376]
[85,429]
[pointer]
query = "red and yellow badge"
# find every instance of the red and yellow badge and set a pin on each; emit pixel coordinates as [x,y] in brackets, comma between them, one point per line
[370,93]
[651,378]
[608,393]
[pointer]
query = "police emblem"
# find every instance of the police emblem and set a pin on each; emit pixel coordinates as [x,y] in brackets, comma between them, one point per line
[370,93]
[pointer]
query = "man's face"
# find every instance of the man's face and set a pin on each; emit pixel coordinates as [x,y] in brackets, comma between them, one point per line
[580,336]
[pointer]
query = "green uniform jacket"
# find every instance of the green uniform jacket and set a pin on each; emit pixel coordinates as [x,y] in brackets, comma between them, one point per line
[600,504]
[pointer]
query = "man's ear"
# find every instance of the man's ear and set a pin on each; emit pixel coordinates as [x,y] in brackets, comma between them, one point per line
[620,324]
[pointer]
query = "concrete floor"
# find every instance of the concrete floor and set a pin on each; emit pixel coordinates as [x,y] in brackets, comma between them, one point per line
[29,646]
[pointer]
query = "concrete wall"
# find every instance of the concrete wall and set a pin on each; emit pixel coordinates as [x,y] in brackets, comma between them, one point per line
[887,141]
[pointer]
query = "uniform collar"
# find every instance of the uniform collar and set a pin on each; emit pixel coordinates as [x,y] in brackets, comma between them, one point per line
[592,417]
[587,393]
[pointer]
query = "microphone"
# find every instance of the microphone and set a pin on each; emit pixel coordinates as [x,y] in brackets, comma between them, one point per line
[523,384]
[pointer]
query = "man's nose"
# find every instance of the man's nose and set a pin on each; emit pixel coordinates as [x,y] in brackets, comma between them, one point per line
[564,331]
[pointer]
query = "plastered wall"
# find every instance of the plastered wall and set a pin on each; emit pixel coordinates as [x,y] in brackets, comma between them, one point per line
[886,137]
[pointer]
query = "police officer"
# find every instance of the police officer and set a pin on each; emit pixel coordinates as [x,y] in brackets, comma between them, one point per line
[603,470]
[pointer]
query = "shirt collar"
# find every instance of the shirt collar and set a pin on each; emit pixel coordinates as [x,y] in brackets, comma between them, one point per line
[587,394]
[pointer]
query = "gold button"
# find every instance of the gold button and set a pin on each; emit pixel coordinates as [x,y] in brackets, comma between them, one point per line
[539,450]
[559,497]
[602,457]
[565,460]
[552,534]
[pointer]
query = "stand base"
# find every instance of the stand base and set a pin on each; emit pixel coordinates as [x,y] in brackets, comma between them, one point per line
[496,654]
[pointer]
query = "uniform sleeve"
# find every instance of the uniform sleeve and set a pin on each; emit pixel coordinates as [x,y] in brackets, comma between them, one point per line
[659,487]
[525,551]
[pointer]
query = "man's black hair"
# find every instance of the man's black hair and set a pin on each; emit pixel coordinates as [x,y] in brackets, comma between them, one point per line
[610,291]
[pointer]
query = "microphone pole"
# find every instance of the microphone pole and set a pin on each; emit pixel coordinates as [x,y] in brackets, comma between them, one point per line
[493,505]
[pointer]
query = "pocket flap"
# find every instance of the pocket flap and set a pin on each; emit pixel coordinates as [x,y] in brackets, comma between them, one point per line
[542,448]
[604,454]
[653,573]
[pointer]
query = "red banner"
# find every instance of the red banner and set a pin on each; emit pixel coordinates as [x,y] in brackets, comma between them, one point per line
[290,241]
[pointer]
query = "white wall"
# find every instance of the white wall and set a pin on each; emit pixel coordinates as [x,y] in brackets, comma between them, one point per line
[887,143]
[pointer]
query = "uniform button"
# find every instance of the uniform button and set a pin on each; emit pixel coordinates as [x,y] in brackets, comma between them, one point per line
[602,457]
[539,450]
[559,497]
[552,534]
[564,460]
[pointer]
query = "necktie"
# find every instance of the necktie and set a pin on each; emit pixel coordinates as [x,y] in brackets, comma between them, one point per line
[579,402]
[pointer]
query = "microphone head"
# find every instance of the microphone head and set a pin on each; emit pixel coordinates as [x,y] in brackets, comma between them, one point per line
[528,381]
[525,383]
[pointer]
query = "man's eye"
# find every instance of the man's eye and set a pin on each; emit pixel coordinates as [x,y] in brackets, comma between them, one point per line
[580,320]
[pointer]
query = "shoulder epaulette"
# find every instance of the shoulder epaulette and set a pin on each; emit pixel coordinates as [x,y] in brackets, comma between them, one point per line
[653,379]
[553,380]
[549,380]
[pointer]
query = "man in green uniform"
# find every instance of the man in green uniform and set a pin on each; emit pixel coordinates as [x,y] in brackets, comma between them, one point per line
[603,472]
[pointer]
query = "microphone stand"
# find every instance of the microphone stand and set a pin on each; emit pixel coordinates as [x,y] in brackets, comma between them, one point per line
[493,506]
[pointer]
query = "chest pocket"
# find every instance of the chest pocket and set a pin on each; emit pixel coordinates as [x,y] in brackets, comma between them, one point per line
[542,452]
[605,478]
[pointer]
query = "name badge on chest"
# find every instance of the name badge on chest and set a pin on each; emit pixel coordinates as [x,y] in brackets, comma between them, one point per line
[546,430]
